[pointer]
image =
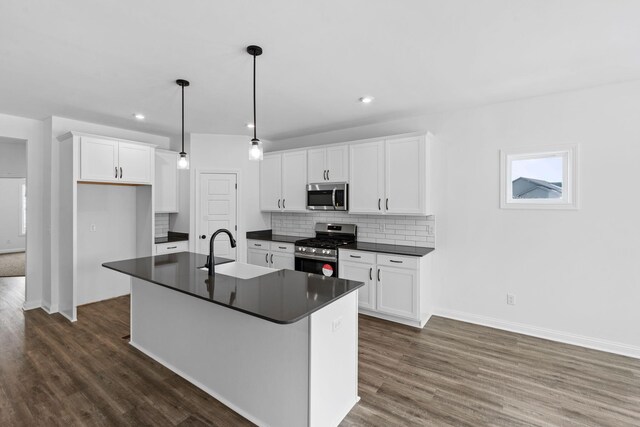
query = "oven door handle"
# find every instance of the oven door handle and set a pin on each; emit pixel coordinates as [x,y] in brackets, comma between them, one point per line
[317,257]
[333,198]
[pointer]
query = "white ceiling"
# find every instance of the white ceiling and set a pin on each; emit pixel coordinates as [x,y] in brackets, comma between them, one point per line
[102,61]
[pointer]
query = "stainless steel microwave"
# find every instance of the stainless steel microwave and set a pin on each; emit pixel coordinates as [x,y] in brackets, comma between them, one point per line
[328,197]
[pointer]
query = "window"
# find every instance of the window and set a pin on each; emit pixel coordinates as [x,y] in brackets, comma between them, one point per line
[539,179]
[23,208]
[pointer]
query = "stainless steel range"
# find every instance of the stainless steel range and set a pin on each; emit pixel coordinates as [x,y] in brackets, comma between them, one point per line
[319,255]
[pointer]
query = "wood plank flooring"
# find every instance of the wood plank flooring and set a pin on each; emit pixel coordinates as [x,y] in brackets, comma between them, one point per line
[448,374]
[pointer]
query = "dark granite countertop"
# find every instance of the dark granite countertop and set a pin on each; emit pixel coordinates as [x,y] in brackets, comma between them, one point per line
[267,235]
[283,296]
[172,237]
[388,249]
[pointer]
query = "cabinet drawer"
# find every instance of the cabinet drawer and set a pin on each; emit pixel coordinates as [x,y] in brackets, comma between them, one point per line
[169,248]
[397,261]
[258,244]
[357,256]
[282,247]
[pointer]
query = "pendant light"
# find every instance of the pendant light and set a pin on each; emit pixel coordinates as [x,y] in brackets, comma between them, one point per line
[255,151]
[183,160]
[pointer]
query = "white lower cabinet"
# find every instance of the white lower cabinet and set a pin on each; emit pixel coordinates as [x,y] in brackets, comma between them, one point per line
[271,254]
[396,287]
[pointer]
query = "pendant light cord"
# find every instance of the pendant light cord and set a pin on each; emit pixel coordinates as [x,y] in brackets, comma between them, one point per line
[255,125]
[182,118]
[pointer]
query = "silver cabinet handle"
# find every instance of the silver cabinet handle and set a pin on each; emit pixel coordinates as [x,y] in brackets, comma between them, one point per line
[116,168]
[371,273]
[355,256]
[378,275]
[278,203]
[271,258]
[266,258]
[379,200]
[120,172]
[283,206]
[397,262]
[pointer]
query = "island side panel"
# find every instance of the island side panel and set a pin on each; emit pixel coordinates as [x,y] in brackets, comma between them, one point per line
[257,368]
[333,373]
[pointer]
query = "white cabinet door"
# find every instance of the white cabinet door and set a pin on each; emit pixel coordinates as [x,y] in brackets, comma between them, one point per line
[316,169]
[361,272]
[337,161]
[405,176]
[98,159]
[271,182]
[258,257]
[366,177]
[294,175]
[281,260]
[397,291]
[134,163]
[166,181]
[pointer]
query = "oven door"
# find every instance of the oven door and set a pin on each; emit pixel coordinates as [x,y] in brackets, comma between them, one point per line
[327,197]
[317,266]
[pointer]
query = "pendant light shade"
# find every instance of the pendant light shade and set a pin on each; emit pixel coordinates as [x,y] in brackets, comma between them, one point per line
[183,160]
[255,150]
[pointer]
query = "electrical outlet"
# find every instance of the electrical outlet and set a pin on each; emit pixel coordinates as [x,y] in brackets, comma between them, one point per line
[337,324]
[511,299]
[92,227]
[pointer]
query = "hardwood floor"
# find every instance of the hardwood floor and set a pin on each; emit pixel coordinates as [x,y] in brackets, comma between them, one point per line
[450,373]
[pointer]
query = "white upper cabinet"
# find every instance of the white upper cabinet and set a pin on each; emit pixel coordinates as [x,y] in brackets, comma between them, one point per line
[406,176]
[390,177]
[98,159]
[134,163]
[108,160]
[329,164]
[294,173]
[271,182]
[166,181]
[366,177]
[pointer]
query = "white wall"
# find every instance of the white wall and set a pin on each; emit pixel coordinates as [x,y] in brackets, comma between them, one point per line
[575,274]
[32,132]
[181,221]
[11,239]
[226,153]
[13,157]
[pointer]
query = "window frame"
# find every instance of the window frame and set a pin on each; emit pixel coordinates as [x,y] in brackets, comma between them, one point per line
[570,195]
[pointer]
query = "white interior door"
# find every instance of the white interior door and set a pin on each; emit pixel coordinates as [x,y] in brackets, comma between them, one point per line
[217,209]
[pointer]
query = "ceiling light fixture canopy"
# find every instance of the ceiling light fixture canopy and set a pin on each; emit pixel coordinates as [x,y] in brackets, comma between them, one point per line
[255,150]
[183,160]
[367,99]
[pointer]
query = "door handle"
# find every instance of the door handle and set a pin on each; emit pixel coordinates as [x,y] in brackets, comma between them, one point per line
[266,258]
[271,258]
[328,179]
[379,200]
[378,275]
[387,203]
[370,273]
[283,206]
[278,203]
[203,236]
[116,168]
[120,172]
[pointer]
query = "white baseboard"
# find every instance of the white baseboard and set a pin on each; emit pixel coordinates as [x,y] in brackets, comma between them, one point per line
[50,308]
[198,384]
[30,305]
[549,334]
[11,251]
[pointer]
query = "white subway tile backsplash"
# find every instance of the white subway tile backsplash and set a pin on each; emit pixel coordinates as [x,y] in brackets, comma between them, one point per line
[394,230]
[162,225]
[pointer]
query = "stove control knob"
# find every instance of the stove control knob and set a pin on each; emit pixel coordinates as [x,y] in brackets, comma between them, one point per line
[313,250]
[303,249]
[325,251]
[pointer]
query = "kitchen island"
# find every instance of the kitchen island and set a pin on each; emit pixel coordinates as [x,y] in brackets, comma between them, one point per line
[277,346]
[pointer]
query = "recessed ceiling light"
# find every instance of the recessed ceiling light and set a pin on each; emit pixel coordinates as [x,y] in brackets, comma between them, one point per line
[250,125]
[367,99]
[138,116]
